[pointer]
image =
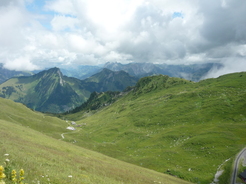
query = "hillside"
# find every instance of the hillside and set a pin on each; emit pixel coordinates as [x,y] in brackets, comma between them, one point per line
[96,102]
[173,126]
[25,136]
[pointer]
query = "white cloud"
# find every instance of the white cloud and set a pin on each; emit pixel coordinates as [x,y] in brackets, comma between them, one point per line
[95,32]
[12,20]
[61,22]
[114,56]
[111,14]
[61,6]
[22,63]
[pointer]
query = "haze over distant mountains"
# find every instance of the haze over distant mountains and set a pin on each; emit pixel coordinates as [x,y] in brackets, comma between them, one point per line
[193,72]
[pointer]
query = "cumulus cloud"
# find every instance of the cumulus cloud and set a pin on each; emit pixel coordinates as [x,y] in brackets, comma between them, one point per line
[76,32]
[224,21]
[61,6]
[12,18]
[22,64]
[61,22]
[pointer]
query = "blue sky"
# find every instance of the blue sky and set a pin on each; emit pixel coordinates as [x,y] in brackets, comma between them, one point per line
[38,34]
[37,6]
[177,14]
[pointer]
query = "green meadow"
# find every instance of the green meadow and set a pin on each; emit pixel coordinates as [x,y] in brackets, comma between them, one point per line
[172,126]
[32,141]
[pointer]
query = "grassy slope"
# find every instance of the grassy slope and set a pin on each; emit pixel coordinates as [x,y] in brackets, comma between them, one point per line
[185,129]
[50,160]
[19,114]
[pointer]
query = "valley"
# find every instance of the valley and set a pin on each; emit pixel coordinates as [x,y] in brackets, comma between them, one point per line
[31,142]
[175,128]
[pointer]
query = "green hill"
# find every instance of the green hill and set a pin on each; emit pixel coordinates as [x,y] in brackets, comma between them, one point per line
[173,126]
[26,137]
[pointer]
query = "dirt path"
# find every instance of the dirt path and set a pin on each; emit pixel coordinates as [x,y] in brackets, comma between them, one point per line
[62,135]
[73,132]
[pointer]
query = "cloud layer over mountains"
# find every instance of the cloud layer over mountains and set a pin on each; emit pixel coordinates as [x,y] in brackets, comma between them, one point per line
[35,34]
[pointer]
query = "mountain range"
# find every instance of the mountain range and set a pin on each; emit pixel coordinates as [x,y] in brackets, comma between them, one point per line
[51,91]
[193,72]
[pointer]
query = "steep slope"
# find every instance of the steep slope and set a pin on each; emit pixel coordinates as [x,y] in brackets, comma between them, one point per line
[47,91]
[108,80]
[174,126]
[23,137]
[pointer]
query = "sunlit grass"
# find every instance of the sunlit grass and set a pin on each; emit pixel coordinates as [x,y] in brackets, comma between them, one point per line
[182,128]
[49,160]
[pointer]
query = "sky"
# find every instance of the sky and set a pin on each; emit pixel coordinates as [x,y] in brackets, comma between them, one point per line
[38,34]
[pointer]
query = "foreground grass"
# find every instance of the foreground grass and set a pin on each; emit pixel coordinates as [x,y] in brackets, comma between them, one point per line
[184,129]
[49,160]
[52,161]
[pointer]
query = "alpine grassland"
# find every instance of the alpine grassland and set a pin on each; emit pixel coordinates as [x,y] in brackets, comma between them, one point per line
[171,125]
[32,142]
